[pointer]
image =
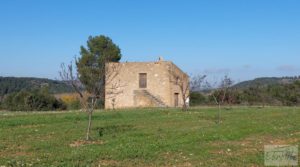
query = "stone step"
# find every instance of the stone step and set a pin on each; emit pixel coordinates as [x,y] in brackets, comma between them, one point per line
[151,96]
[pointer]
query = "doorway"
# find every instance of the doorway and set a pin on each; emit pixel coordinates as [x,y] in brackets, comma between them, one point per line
[176,95]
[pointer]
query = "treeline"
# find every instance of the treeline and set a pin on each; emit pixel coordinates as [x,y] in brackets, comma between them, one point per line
[265,81]
[275,94]
[13,84]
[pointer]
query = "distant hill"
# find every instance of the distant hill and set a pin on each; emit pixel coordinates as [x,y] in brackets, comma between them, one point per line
[265,81]
[14,84]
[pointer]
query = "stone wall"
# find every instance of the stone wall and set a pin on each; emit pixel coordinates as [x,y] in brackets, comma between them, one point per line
[175,88]
[159,91]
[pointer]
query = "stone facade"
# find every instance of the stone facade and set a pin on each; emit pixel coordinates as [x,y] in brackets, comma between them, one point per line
[143,84]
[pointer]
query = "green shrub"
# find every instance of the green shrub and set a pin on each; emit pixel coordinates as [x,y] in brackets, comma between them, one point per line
[197,98]
[74,105]
[38,100]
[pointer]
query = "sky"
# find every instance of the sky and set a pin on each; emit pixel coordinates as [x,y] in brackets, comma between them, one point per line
[244,39]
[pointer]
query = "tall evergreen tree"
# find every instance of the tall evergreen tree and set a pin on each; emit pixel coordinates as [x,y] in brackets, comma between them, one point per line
[91,64]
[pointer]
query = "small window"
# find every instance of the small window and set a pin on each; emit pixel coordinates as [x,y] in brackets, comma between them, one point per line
[143,80]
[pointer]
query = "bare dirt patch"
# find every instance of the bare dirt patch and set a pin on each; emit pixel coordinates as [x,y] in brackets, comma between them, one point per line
[79,143]
[22,153]
[108,163]
[15,151]
[179,159]
[283,141]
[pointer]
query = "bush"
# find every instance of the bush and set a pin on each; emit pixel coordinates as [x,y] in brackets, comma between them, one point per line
[37,100]
[71,100]
[74,105]
[197,98]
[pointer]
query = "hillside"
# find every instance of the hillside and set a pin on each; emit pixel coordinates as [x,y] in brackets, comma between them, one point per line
[266,81]
[14,84]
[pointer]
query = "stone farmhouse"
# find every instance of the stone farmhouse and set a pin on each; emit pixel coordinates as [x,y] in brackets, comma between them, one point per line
[144,84]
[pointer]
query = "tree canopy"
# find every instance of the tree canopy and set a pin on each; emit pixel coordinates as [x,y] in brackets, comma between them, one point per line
[93,72]
[91,64]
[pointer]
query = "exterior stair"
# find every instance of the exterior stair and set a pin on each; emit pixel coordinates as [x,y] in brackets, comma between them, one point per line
[154,98]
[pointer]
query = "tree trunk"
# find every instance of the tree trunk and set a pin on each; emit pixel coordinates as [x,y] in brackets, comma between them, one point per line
[219,114]
[89,125]
[184,107]
[90,113]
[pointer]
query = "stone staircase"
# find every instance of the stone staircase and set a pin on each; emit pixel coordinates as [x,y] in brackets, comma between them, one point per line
[154,98]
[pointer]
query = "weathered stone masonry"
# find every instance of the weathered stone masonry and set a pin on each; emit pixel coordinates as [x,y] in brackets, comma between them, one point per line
[144,84]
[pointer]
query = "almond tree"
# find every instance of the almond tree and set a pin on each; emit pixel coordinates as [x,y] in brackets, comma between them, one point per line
[220,92]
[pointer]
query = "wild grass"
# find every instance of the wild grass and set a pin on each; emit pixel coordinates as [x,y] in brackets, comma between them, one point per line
[146,137]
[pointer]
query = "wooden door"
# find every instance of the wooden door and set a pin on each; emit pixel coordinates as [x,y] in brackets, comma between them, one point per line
[143,80]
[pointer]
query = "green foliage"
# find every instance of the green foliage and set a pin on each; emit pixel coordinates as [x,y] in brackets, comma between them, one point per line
[266,81]
[100,104]
[275,94]
[197,99]
[91,64]
[272,94]
[12,84]
[37,100]
[74,105]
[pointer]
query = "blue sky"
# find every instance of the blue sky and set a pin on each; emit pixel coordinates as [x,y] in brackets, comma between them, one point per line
[245,39]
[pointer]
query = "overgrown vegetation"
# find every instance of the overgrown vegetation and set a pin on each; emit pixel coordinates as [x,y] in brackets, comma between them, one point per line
[147,137]
[273,95]
[35,100]
[71,100]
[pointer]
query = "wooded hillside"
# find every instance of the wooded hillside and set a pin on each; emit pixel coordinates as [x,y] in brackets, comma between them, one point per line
[13,84]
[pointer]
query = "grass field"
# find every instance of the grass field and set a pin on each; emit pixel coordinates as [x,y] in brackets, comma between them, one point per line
[146,137]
